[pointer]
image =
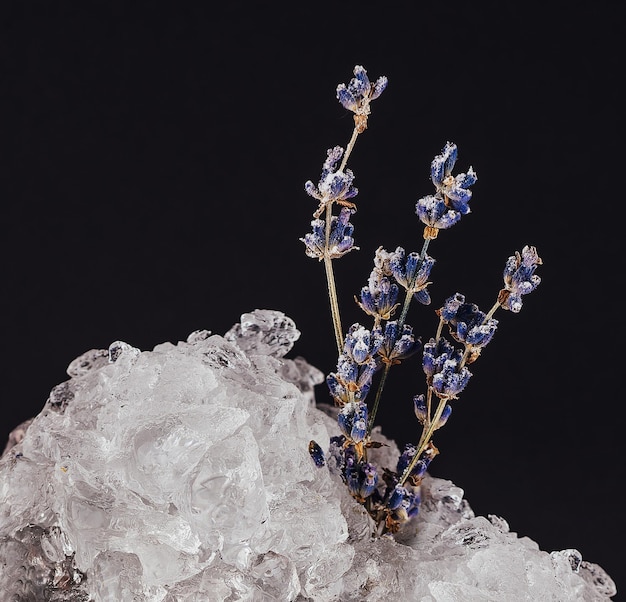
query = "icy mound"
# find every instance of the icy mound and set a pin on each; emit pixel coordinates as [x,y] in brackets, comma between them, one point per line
[182,474]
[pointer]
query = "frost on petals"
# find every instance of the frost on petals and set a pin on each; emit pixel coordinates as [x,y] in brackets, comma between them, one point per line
[519,278]
[358,95]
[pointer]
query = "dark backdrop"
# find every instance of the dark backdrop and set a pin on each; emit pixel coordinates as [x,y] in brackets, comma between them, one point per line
[152,184]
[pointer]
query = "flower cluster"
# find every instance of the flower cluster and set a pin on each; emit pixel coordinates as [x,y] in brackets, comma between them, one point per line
[358,94]
[335,185]
[519,278]
[451,199]
[366,355]
[340,239]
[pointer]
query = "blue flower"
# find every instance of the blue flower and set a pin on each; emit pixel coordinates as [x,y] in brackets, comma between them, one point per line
[451,380]
[362,344]
[334,186]
[442,365]
[351,381]
[341,240]
[467,323]
[453,188]
[360,477]
[358,95]
[434,213]
[398,345]
[519,278]
[412,273]
[403,503]
[452,196]
[379,300]
[421,411]
[316,454]
[419,469]
[352,420]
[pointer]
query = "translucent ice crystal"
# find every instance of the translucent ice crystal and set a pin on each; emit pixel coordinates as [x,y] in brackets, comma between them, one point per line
[182,474]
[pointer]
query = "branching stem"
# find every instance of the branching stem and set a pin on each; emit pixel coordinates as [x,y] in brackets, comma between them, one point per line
[401,320]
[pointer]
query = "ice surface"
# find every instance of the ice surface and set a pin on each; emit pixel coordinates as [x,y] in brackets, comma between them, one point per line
[183,474]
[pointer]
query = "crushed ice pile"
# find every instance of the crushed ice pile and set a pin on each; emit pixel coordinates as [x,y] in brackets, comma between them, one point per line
[183,474]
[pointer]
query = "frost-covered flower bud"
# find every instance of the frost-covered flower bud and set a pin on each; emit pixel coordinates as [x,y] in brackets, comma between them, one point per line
[334,185]
[442,364]
[435,214]
[398,345]
[340,242]
[361,478]
[452,196]
[436,353]
[421,411]
[351,381]
[358,95]
[352,420]
[519,278]
[467,323]
[380,299]
[455,189]
[341,230]
[419,468]
[451,380]
[412,273]
[362,344]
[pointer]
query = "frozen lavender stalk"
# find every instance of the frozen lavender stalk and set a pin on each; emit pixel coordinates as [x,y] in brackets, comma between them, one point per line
[366,355]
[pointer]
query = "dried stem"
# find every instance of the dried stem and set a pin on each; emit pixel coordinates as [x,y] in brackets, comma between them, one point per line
[401,320]
[328,262]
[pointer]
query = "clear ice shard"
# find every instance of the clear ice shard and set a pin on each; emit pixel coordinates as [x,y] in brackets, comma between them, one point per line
[183,474]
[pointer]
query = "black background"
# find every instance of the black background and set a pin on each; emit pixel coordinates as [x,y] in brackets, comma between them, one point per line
[152,184]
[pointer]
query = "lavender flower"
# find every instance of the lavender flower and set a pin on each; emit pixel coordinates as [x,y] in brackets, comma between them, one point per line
[352,420]
[334,186]
[467,323]
[453,188]
[362,344]
[412,273]
[435,214]
[442,364]
[360,477]
[379,301]
[519,278]
[403,504]
[452,196]
[398,345]
[341,241]
[378,298]
[317,454]
[351,381]
[419,468]
[421,411]
[358,95]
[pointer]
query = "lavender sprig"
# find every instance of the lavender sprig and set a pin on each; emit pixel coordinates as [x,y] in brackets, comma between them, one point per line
[392,497]
[335,185]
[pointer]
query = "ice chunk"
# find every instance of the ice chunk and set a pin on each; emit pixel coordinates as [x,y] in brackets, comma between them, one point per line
[183,474]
